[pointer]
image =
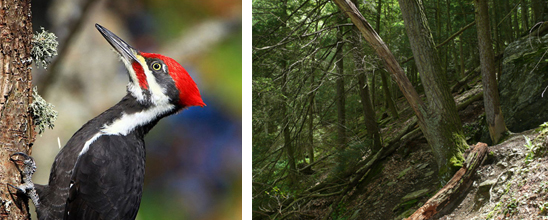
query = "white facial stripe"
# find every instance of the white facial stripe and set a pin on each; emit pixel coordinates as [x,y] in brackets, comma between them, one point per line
[128,122]
[133,87]
[158,93]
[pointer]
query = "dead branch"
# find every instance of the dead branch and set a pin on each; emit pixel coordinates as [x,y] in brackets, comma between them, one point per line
[448,195]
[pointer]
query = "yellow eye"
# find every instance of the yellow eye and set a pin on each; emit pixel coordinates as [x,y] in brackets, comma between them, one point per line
[156,66]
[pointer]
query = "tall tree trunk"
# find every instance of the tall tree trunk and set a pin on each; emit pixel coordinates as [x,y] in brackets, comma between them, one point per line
[388,95]
[359,70]
[310,148]
[340,96]
[493,114]
[288,147]
[443,128]
[461,59]
[524,15]
[538,10]
[508,31]
[379,13]
[373,88]
[16,125]
[515,21]
[378,28]
[496,32]
[369,113]
[440,124]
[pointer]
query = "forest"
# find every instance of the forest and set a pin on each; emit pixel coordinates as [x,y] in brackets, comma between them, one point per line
[390,109]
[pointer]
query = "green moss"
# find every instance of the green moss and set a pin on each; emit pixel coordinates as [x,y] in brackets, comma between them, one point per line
[44,48]
[456,161]
[42,112]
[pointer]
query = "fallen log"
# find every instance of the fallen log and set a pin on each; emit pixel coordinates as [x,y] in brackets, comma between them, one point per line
[449,194]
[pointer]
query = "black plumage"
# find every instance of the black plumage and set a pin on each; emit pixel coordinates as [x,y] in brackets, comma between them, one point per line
[99,174]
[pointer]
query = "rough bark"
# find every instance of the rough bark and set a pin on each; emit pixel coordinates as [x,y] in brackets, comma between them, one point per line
[493,114]
[442,126]
[446,198]
[16,126]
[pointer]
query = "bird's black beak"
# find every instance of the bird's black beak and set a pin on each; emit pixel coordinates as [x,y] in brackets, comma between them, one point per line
[124,49]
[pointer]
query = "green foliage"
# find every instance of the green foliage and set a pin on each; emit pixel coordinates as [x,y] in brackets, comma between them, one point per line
[511,207]
[277,193]
[543,208]
[294,74]
[44,47]
[42,112]
[539,146]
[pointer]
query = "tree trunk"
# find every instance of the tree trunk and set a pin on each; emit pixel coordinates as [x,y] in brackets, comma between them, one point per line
[538,10]
[290,151]
[369,113]
[439,121]
[443,128]
[524,15]
[16,125]
[515,22]
[365,96]
[493,114]
[340,96]
[388,96]
[310,148]
[288,147]
[508,29]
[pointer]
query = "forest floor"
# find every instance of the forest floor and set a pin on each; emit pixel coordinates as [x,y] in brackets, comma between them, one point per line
[511,184]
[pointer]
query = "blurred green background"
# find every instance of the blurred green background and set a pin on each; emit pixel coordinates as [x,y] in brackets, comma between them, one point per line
[194,157]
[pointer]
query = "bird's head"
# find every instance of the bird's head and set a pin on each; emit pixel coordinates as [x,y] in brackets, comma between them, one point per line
[155,79]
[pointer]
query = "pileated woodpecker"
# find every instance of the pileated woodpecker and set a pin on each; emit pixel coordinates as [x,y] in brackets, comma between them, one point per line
[99,173]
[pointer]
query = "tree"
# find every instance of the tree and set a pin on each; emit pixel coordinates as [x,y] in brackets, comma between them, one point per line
[493,114]
[443,125]
[359,69]
[16,123]
[340,95]
[438,120]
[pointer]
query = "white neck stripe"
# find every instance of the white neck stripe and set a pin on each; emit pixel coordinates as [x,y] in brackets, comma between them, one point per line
[89,142]
[128,122]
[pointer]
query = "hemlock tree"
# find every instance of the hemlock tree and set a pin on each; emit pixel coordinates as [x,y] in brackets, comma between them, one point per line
[442,122]
[493,114]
